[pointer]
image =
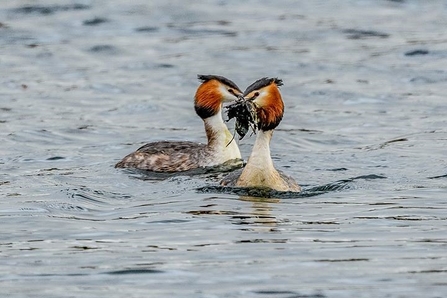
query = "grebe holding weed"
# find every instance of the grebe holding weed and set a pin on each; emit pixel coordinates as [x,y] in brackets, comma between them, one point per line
[265,107]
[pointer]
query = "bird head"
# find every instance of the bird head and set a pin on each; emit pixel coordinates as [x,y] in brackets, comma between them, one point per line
[267,102]
[214,91]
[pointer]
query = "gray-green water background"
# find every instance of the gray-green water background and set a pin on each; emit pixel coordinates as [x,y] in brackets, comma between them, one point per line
[82,83]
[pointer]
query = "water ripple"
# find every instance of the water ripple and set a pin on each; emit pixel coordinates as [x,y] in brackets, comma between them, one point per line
[135,271]
[95,197]
[305,193]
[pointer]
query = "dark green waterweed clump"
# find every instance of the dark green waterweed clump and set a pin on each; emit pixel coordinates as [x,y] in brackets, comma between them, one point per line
[246,117]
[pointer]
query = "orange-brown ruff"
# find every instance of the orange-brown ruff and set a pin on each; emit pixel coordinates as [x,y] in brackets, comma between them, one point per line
[166,156]
[260,171]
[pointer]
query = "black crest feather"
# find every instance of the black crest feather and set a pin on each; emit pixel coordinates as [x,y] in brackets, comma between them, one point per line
[261,83]
[223,80]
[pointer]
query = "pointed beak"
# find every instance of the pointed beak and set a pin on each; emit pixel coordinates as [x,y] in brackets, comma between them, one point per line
[246,98]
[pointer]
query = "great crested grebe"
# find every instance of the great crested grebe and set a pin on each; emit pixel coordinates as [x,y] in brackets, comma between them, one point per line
[167,156]
[260,172]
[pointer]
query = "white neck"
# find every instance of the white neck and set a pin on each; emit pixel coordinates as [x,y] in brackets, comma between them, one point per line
[260,155]
[260,171]
[220,139]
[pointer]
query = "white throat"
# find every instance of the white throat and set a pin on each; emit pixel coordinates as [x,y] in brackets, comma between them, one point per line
[220,139]
[260,157]
[259,171]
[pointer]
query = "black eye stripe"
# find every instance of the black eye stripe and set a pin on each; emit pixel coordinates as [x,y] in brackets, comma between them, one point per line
[223,80]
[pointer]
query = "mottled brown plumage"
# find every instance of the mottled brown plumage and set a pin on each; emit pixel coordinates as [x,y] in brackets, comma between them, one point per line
[164,156]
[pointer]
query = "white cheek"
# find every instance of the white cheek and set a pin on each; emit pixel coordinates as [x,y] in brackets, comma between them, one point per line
[260,100]
[227,96]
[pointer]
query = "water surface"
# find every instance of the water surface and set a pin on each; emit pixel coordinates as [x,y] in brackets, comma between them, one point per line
[86,82]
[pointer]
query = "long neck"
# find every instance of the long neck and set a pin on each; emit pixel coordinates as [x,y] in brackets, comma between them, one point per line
[217,132]
[260,156]
[259,171]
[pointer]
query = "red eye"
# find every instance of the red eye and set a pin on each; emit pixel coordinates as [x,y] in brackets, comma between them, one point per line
[256,94]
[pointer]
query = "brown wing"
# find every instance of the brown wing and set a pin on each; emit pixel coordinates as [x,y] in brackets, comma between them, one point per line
[164,157]
[167,146]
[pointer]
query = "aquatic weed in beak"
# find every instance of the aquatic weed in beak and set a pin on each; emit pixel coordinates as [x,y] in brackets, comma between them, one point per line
[246,117]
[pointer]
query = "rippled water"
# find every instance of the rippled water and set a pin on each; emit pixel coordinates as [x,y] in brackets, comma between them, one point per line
[85,82]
